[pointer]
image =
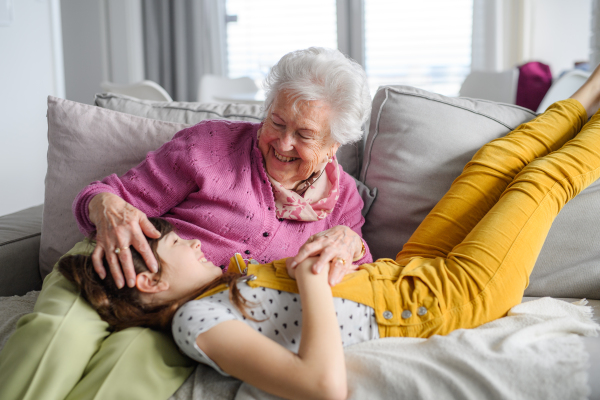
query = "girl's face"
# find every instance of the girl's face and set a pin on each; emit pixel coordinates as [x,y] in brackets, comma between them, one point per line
[185,268]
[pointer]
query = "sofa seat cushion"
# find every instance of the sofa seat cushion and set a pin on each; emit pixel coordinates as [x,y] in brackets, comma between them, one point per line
[419,142]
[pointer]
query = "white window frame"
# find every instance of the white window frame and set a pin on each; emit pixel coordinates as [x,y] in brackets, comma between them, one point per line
[351,29]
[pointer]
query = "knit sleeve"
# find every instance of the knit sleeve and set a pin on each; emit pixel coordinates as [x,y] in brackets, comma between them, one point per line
[160,182]
[350,211]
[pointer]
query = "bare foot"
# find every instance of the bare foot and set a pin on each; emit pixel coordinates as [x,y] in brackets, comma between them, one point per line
[589,94]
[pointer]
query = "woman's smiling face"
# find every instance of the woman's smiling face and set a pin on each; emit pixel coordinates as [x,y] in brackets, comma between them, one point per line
[295,143]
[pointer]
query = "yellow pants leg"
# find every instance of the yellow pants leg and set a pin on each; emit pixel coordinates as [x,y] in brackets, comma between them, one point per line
[486,177]
[499,254]
[485,272]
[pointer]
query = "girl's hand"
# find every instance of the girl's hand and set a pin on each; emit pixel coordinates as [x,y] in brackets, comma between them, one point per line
[118,226]
[337,246]
[306,265]
[288,266]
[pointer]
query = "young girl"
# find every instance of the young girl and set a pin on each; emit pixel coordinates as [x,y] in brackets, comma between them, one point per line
[279,328]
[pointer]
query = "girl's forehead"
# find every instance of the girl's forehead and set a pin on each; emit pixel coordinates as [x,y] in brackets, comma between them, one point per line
[165,240]
[170,235]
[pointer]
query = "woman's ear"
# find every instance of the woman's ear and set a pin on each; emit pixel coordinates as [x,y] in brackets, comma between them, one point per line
[332,152]
[335,148]
[149,282]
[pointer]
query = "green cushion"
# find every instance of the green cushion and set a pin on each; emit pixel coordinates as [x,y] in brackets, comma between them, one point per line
[64,341]
[136,363]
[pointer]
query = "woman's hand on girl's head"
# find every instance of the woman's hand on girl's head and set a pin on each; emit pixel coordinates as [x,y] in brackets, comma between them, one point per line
[118,226]
[336,247]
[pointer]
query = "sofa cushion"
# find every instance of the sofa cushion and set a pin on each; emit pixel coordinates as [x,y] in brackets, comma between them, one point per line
[85,144]
[178,111]
[419,142]
[191,113]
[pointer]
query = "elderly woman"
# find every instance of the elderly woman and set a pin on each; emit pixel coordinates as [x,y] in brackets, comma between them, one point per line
[268,190]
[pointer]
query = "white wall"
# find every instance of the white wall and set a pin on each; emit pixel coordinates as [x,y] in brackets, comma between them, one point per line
[560,33]
[29,72]
[63,48]
[508,33]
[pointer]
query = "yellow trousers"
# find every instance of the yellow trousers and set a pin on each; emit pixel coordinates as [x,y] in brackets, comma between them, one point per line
[469,261]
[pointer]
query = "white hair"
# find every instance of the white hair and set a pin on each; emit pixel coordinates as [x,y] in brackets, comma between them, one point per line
[327,75]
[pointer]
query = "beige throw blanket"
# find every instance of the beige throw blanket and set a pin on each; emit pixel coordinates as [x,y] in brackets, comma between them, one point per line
[534,353]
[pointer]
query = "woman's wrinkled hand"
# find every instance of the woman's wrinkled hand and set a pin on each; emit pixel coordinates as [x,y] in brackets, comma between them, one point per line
[337,246]
[118,226]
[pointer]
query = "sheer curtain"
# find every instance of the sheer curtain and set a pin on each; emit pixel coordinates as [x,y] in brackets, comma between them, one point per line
[183,40]
[262,31]
[426,44]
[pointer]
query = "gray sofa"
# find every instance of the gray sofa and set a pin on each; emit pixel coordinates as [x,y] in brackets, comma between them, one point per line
[417,143]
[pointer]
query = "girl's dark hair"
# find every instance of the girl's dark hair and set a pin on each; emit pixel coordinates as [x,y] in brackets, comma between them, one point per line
[124,308]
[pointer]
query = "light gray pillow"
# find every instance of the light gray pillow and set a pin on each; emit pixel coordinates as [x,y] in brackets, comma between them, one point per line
[177,111]
[87,143]
[419,142]
[191,113]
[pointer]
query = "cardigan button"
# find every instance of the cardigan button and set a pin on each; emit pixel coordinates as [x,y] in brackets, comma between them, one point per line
[406,314]
[280,219]
[421,311]
[387,315]
[266,234]
[247,252]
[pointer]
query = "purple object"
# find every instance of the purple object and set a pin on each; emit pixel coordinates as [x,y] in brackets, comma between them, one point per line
[535,79]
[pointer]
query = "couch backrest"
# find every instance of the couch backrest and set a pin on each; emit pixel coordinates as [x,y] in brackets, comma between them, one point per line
[191,113]
[419,142]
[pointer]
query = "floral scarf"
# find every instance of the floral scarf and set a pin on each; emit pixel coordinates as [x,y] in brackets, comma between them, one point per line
[317,201]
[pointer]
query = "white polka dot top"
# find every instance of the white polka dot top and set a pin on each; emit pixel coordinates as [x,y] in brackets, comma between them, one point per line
[279,314]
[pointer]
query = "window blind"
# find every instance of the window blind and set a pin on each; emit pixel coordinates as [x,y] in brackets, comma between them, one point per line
[265,30]
[425,43]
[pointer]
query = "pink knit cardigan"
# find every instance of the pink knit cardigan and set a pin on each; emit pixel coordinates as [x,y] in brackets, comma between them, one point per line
[209,181]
